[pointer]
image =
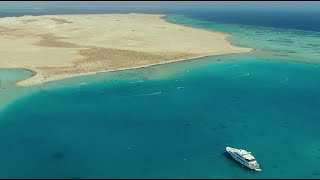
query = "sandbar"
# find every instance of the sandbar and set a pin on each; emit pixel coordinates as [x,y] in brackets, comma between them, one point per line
[61,46]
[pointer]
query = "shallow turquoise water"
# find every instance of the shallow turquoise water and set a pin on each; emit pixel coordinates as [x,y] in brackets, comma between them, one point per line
[8,90]
[169,120]
[125,128]
[269,43]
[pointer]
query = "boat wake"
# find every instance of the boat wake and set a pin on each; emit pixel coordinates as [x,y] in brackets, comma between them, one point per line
[151,94]
[248,74]
[219,154]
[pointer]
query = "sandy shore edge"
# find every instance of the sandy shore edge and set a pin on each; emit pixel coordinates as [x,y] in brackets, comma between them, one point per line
[27,82]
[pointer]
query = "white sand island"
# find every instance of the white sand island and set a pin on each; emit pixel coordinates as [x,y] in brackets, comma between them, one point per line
[60,46]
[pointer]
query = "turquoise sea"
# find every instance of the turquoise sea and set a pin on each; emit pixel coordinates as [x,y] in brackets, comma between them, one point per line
[173,120]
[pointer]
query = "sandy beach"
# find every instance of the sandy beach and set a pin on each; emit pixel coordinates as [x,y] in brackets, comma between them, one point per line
[61,46]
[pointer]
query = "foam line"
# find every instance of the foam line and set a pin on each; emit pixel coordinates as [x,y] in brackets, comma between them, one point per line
[135,82]
[155,93]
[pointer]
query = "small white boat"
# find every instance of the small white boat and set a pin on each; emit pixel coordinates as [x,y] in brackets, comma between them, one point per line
[244,157]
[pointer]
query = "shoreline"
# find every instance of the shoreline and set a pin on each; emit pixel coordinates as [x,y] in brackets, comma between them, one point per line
[115,70]
[39,75]
[34,73]
[141,67]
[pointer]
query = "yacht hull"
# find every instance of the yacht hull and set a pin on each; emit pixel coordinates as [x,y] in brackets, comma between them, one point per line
[231,151]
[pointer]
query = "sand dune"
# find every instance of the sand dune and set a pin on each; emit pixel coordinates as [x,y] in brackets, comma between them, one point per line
[60,46]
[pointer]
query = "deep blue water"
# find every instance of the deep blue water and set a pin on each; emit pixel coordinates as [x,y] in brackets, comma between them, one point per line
[172,126]
[302,20]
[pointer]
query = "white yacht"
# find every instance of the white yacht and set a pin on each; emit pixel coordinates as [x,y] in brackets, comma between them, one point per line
[244,157]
